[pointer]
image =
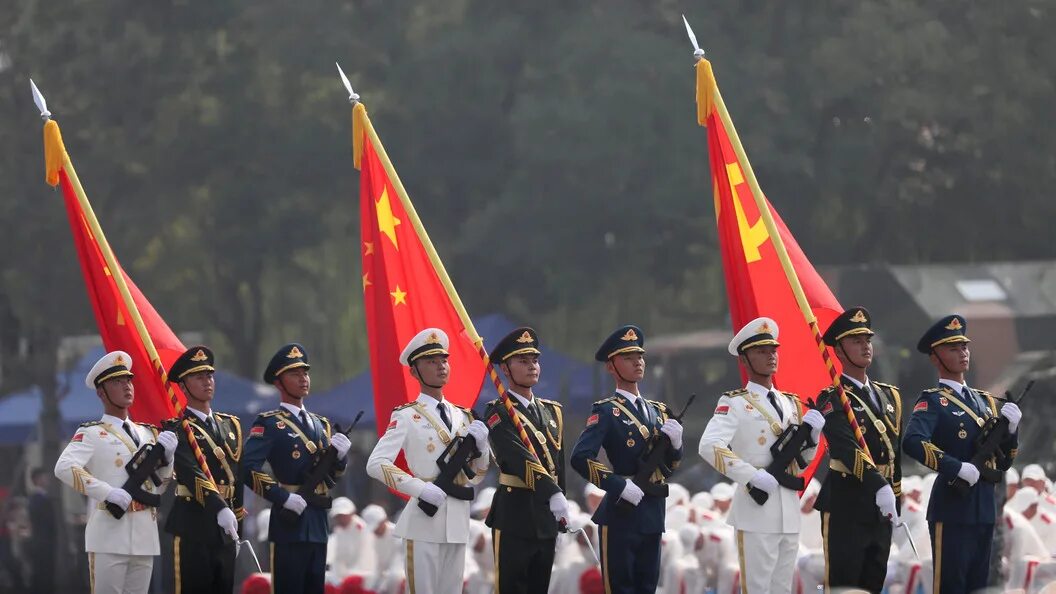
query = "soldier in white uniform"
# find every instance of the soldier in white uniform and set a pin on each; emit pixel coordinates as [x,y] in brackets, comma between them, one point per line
[436,545]
[737,443]
[120,551]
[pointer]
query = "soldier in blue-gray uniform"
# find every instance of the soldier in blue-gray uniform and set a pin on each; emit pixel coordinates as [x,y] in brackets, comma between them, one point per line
[289,438]
[626,425]
[941,435]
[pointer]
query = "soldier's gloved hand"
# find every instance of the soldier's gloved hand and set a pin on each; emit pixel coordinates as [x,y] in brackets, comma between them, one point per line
[479,431]
[673,430]
[432,494]
[765,481]
[119,497]
[1011,412]
[559,507]
[341,443]
[969,473]
[632,493]
[816,420]
[295,503]
[226,519]
[167,440]
[885,502]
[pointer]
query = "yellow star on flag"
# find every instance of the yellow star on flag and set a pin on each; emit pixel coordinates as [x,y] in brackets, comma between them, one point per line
[386,222]
[398,296]
[366,282]
[368,248]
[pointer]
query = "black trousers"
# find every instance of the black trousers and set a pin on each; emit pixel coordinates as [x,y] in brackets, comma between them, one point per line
[961,556]
[522,565]
[630,561]
[856,552]
[298,567]
[204,567]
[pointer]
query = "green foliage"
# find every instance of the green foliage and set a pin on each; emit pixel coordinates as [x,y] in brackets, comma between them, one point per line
[550,149]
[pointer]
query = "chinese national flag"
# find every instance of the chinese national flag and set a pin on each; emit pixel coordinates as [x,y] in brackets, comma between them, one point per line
[403,290]
[756,284]
[152,402]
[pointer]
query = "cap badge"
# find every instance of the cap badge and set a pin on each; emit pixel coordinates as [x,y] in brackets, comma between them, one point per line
[199,356]
[295,353]
[525,338]
[764,328]
[954,324]
[859,317]
[630,335]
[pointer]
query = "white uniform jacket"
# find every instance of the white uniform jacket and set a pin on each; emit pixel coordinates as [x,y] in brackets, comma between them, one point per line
[417,429]
[737,442]
[93,463]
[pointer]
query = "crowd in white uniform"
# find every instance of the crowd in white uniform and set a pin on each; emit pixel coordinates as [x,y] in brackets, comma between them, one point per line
[699,551]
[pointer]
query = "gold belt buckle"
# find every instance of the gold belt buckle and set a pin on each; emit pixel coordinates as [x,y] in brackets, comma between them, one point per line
[880,428]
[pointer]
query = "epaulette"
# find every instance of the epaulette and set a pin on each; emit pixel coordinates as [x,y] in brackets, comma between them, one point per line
[984,392]
[737,392]
[226,415]
[148,425]
[551,402]
[270,413]
[91,423]
[405,405]
[604,400]
[791,395]
[662,405]
[172,421]
[883,385]
[930,390]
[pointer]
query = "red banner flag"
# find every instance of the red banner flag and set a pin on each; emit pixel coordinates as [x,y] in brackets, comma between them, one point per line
[117,327]
[405,288]
[755,281]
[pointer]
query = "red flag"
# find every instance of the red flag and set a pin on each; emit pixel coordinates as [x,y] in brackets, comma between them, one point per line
[116,327]
[404,290]
[755,281]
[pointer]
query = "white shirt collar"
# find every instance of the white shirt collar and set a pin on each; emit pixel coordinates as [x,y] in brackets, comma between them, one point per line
[296,410]
[429,401]
[521,399]
[857,383]
[201,415]
[758,389]
[958,387]
[111,419]
[629,396]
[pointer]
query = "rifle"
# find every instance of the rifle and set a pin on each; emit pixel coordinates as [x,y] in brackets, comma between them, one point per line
[320,472]
[142,467]
[988,447]
[789,447]
[464,448]
[653,459]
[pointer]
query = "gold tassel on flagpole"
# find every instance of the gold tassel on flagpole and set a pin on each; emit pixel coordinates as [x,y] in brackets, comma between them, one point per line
[705,91]
[54,152]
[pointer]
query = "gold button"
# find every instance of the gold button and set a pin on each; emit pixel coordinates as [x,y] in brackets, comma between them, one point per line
[509,489]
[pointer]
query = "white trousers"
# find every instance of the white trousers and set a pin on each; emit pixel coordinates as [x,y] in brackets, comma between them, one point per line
[434,567]
[120,574]
[768,561]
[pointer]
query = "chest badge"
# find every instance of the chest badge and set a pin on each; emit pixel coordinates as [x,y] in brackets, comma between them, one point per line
[280,425]
[102,433]
[118,463]
[762,440]
[944,401]
[630,443]
[748,407]
[230,434]
[890,408]
[962,434]
[416,417]
[553,423]
[430,448]
[615,412]
[296,454]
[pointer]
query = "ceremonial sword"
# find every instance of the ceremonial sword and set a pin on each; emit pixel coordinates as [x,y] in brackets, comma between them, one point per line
[909,537]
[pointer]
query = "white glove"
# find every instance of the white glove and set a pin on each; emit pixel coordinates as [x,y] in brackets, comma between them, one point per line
[969,473]
[885,502]
[432,494]
[479,431]
[119,497]
[295,503]
[632,493]
[226,519]
[341,443]
[765,481]
[1011,412]
[559,507]
[167,440]
[816,420]
[673,430]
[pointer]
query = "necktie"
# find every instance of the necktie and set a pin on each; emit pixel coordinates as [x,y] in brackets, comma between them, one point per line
[533,409]
[443,415]
[643,411]
[213,427]
[131,433]
[972,400]
[872,396]
[773,402]
[309,429]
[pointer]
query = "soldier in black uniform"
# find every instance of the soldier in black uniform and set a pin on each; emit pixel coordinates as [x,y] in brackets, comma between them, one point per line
[206,517]
[530,504]
[861,497]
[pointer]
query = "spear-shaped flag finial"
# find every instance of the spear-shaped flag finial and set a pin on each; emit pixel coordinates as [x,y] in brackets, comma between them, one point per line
[38,98]
[697,52]
[353,97]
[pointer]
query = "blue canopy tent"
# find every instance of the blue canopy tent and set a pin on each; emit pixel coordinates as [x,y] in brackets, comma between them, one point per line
[565,379]
[20,413]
